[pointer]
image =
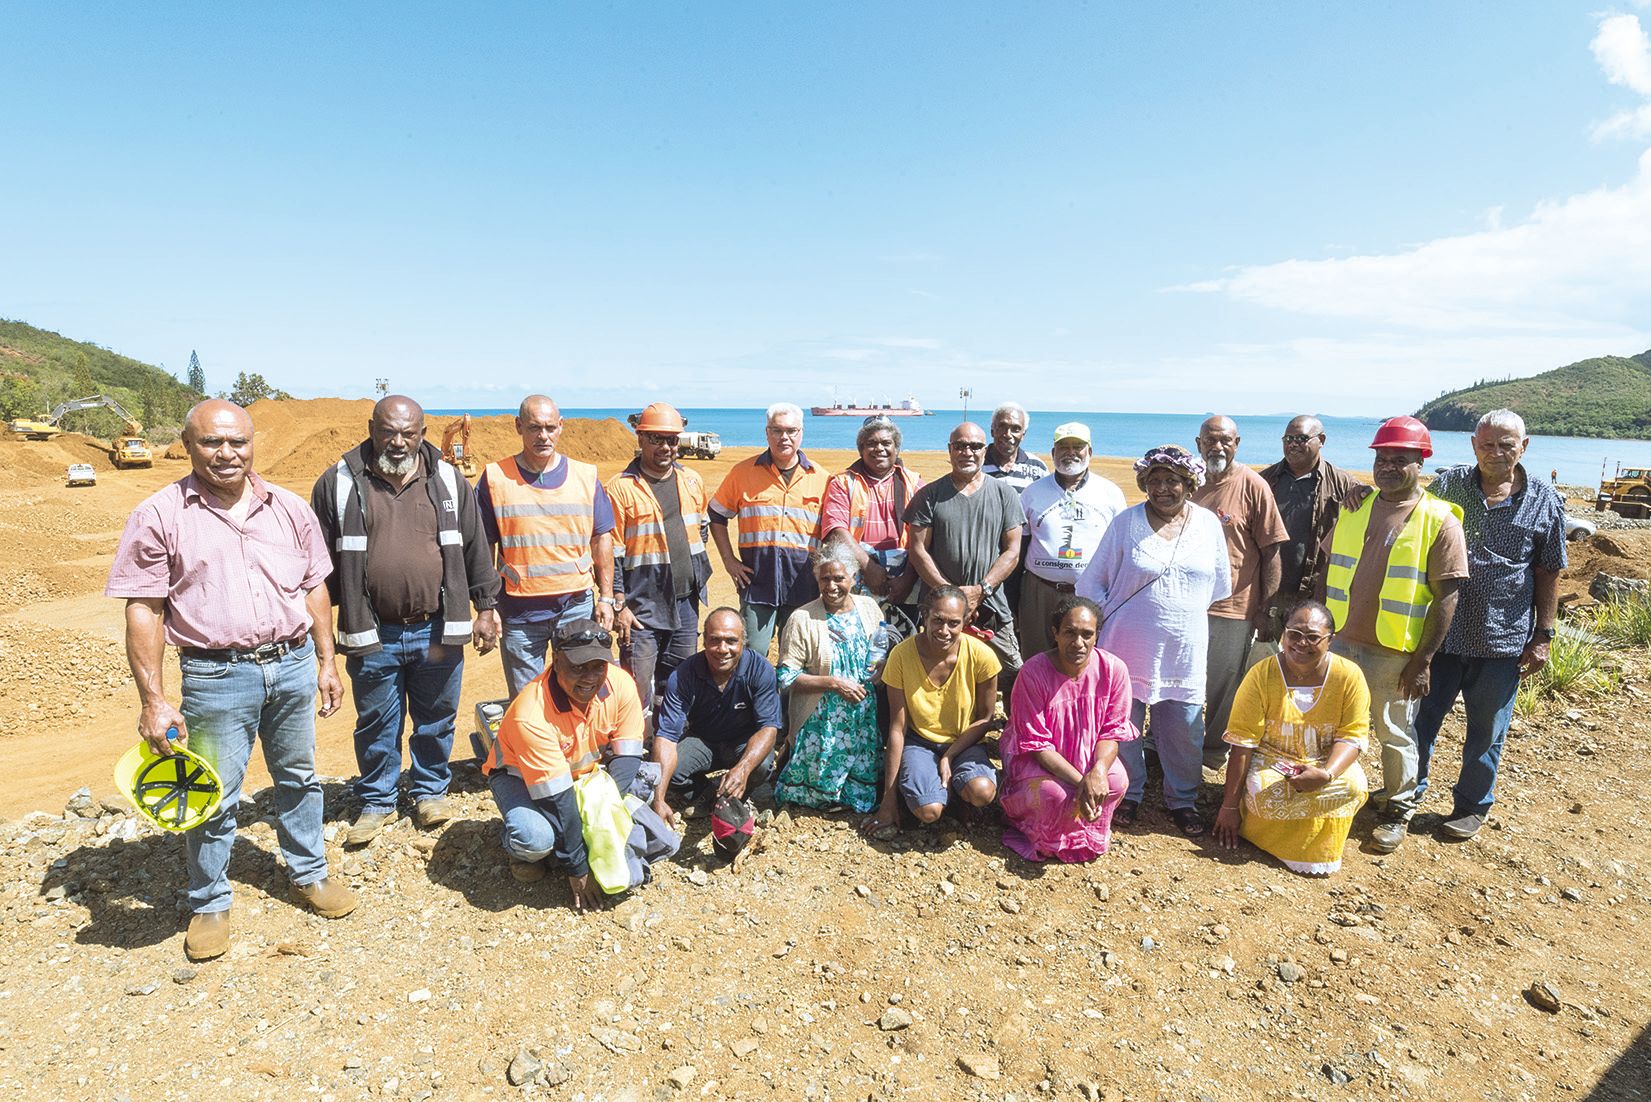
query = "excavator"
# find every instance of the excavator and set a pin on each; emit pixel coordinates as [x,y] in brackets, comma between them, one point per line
[128,449]
[458,453]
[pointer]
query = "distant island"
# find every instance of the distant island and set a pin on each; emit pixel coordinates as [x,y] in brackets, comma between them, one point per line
[1607,396]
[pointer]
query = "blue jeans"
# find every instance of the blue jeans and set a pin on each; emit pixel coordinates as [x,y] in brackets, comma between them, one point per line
[763,623]
[529,829]
[412,673]
[652,654]
[1487,687]
[1178,735]
[523,643]
[226,706]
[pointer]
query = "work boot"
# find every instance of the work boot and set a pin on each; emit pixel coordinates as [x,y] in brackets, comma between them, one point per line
[208,935]
[1389,834]
[527,872]
[432,812]
[367,826]
[326,897]
[1462,827]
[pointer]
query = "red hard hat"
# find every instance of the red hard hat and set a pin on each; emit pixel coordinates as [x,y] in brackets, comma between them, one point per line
[1404,432]
[660,417]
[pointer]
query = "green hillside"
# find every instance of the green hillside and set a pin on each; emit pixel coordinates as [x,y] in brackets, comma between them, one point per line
[39,369]
[1605,396]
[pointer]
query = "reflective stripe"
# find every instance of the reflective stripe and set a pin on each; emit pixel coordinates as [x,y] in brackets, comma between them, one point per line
[778,539]
[449,480]
[548,788]
[357,638]
[1335,594]
[534,509]
[584,762]
[627,748]
[647,528]
[342,485]
[545,539]
[1419,575]
[551,570]
[351,543]
[650,559]
[790,512]
[1345,560]
[449,537]
[454,627]
[1415,612]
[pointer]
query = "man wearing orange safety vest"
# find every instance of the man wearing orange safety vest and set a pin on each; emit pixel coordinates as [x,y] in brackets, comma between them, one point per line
[550,523]
[775,499]
[660,564]
[1396,563]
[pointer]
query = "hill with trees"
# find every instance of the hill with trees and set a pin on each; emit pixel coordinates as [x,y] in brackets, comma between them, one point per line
[39,369]
[1608,396]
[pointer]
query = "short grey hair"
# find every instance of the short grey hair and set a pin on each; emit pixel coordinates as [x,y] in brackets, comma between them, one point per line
[877,423]
[782,409]
[1503,419]
[1015,408]
[835,553]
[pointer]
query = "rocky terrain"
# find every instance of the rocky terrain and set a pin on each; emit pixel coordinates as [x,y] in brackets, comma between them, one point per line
[934,965]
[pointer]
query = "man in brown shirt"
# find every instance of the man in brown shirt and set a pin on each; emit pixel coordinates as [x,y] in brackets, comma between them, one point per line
[1254,530]
[411,561]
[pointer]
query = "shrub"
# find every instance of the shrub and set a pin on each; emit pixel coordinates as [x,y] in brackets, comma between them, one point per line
[1577,666]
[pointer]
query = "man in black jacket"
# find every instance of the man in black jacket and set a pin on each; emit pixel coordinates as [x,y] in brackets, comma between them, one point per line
[409,561]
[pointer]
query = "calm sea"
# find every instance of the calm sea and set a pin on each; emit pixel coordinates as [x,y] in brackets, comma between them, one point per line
[1578,459]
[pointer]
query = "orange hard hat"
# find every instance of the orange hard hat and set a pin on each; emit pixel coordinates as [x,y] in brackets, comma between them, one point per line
[660,417]
[1404,432]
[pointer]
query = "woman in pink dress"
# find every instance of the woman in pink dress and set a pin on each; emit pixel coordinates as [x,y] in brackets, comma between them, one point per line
[1069,712]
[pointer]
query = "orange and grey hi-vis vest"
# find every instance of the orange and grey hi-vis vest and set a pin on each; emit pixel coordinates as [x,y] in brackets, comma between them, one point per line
[544,535]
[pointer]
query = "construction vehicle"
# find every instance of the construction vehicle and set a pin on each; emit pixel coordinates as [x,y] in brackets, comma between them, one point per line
[458,452]
[1627,494]
[129,449]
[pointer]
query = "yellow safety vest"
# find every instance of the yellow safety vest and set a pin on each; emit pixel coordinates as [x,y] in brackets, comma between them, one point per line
[1405,594]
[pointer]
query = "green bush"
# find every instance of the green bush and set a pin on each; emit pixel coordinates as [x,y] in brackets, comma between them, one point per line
[1578,666]
[1625,623]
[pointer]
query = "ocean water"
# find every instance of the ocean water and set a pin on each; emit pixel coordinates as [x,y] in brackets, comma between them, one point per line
[1577,459]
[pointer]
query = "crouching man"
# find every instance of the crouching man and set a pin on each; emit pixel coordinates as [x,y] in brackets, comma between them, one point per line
[581,715]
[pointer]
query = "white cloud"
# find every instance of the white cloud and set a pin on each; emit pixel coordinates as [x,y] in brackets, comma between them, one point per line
[1624,53]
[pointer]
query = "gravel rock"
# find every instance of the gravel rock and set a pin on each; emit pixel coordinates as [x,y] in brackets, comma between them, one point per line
[981,1067]
[523,1068]
[894,1019]
[1544,996]
[682,1076]
[1289,972]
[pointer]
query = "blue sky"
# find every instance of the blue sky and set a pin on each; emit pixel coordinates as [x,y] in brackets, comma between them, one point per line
[1176,208]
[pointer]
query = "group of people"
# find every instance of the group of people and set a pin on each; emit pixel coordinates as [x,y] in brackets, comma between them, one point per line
[1265,622]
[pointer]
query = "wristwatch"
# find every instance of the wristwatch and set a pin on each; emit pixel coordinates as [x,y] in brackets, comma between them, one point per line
[607,601]
[988,590]
[1544,635]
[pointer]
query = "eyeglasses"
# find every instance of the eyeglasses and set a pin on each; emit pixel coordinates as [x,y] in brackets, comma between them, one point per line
[1298,636]
[967,446]
[1296,438]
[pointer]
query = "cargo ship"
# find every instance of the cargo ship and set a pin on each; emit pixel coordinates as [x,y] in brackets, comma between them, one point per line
[908,408]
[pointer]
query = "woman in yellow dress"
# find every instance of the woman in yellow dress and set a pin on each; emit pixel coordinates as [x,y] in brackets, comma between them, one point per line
[1298,725]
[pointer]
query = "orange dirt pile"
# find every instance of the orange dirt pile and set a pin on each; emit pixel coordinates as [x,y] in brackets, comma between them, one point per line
[296,440]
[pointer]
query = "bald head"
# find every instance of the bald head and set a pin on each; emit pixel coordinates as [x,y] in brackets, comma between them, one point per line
[966,447]
[1303,440]
[539,423]
[217,413]
[724,642]
[397,431]
[397,405]
[218,436]
[1217,443]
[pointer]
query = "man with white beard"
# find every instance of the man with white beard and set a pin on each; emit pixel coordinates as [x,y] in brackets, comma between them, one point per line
[1067,512]
[1243,502]
[409,560]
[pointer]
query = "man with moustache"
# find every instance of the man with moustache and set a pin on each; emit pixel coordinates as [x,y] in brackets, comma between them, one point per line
[551,523]
[965,531]
[229,569]
[1066,512]
[1515,531]
[409,561]
[1244,504]
[1017,468]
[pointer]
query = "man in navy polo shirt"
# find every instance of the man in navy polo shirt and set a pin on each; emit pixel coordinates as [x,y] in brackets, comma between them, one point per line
[721,710]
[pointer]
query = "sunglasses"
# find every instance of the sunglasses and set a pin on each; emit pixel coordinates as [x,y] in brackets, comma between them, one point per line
[1299,636]
[1296,438]
[656,438]
[967,446]
[584,638]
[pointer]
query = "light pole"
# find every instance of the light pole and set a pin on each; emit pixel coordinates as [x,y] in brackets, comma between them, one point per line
[965,393]
[382,386]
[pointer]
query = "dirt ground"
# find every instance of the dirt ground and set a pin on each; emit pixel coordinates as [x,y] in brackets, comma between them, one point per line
[824,967]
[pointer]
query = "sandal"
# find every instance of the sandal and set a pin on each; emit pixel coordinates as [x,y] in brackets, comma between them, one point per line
[1126,814]
[1189,822]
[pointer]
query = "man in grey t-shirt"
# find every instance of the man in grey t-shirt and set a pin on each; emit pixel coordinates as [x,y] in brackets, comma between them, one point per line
[965,531]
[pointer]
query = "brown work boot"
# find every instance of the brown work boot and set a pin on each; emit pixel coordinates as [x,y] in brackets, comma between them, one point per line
[367,826]
[527,872]
[208,935]
[431,813]
[326,897]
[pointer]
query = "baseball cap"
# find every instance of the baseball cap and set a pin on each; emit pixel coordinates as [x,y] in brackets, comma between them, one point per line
[1072,430]
[581,641]
[732,826]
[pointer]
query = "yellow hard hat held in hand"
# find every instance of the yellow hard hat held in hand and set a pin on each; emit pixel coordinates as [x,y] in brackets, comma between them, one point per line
[175,792]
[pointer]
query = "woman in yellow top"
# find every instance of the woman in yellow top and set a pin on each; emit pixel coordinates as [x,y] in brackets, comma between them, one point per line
[942,685]
[1297,728]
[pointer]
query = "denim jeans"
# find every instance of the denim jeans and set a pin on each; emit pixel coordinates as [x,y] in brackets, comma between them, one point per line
[695,758]
[411,674]
[1487,687]
[523,644]
[1178,736]
[529,829]
[763,623]
[1392,722]
[1225,665]
[652,654]
[226,706]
